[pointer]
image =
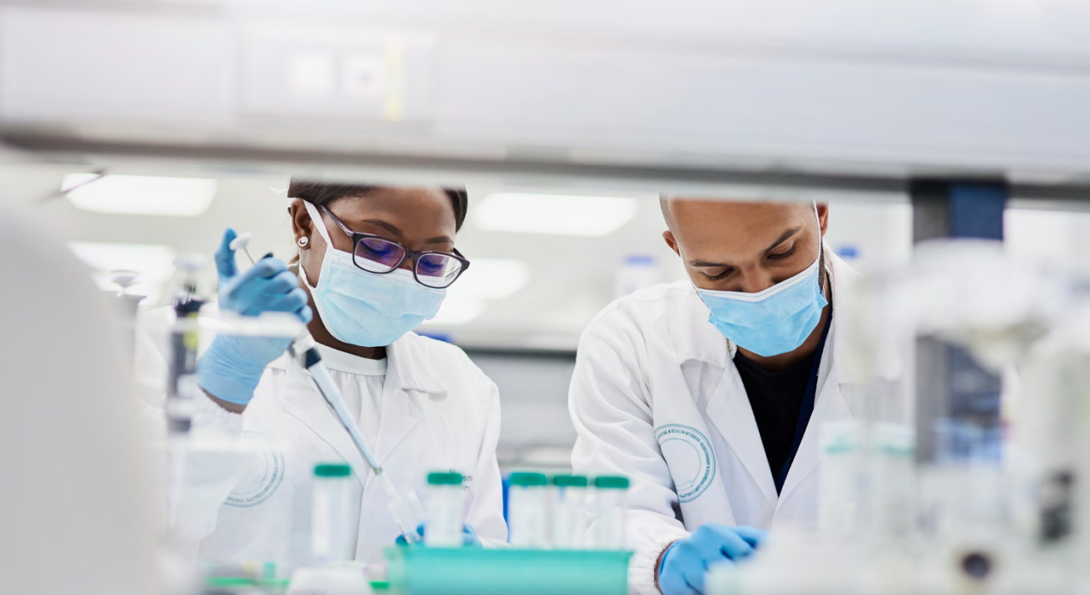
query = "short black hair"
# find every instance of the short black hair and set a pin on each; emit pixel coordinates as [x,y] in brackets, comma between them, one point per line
[326,193]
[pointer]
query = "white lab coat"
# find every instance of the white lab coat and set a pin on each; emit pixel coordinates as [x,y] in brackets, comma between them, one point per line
[655,396]
[438,411]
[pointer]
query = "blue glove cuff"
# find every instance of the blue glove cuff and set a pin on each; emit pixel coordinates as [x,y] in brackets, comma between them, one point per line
[469,536]
[662,558]
[226,374]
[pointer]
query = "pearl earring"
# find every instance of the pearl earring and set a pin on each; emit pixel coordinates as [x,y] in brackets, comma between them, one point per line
[303,241]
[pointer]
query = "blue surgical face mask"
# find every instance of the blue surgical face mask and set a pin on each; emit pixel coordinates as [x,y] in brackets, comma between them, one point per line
[770,322]
[367,309]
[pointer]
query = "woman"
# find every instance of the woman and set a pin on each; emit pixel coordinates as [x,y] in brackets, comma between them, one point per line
[374,262]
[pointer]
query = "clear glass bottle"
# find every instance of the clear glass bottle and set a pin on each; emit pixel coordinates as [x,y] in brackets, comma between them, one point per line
[527,504]
[569,493]
[446,500]
[609,511]
[330,541]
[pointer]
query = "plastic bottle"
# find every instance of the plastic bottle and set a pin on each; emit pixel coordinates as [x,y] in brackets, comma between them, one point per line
[527,502]
[609,511]
[446,499]
[569,493]
[330,542]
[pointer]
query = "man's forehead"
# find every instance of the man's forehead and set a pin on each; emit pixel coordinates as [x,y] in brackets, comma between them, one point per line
[703,212]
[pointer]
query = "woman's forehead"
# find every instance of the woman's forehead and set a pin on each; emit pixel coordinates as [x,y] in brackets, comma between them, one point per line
[423,206]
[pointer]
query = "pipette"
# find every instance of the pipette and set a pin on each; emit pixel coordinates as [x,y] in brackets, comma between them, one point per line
[404,510]
[243,242]
[304,351]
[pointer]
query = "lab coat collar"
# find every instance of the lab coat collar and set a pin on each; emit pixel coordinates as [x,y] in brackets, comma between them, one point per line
[408,363]
[353,364]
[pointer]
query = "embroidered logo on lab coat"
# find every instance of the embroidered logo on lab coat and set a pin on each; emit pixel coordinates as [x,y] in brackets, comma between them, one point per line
[690,457]
[266,472]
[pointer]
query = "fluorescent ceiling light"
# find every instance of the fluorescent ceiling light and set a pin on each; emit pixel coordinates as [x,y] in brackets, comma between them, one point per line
[139,195]
[561,214]
[492,278]
[153,263]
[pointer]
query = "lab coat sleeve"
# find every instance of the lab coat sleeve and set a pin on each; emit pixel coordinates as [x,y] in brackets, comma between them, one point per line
[611,412]
[484,502]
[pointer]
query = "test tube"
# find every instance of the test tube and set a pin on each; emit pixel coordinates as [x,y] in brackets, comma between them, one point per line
[609,511]
[330,541]
[569,493]
[527,503]
[446,499]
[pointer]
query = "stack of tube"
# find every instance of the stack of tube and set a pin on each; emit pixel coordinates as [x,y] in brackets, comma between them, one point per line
[566,511]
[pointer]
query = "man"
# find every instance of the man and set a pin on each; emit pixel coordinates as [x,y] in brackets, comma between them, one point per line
[710,393]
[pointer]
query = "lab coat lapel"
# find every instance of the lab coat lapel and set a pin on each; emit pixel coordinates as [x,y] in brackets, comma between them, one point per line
[303,401]
[400,410]
[830,405]
[732,415]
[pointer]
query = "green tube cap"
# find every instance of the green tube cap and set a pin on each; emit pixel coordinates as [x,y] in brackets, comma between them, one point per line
[611,482]
[444,478]
[527,479]
[332,470]
[567,480]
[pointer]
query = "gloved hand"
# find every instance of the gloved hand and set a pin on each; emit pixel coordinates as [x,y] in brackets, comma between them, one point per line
[469,536]
[232,366]
[684,563]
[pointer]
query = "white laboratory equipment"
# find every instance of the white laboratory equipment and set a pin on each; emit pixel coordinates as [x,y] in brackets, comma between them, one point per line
[528,509]
[446,502]
[568,497]
[348,579]
[332,571]
[610,492]
[330,539]
[182,384]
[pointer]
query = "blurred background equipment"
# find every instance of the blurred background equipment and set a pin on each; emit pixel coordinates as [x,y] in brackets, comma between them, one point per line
[75,465]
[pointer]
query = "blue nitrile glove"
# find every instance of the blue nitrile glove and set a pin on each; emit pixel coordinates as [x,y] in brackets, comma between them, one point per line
[469,536]
[684,563]
[232,366]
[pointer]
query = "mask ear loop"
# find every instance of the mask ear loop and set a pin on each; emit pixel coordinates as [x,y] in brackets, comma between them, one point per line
[822,271]
[316,217]
[319,223]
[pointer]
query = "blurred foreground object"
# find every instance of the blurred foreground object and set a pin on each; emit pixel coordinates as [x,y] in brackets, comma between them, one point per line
[77,511]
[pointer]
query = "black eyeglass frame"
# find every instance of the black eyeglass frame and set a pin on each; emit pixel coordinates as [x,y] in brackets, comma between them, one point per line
[358,236]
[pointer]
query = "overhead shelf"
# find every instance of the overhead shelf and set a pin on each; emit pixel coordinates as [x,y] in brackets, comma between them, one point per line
[789,96]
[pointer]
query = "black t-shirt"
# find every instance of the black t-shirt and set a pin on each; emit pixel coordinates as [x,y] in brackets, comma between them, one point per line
[776,399]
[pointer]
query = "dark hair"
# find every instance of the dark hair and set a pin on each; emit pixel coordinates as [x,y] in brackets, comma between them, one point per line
[326,193]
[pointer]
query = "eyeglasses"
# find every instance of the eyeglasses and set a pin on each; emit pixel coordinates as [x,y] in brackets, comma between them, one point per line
[378,255]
